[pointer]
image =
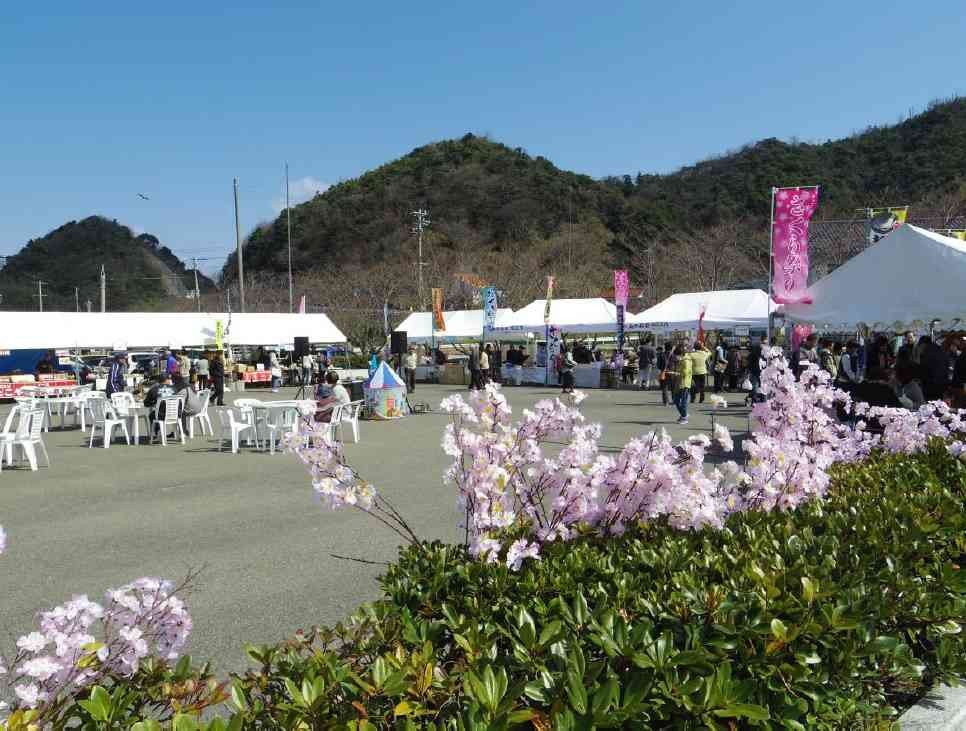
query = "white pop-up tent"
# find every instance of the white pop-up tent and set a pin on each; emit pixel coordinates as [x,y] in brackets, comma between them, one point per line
[593,315]
[461,326]
[121,330]
[723,310]
[911,274]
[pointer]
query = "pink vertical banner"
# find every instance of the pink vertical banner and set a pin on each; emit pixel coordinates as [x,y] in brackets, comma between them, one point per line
[621,287]
[793,210]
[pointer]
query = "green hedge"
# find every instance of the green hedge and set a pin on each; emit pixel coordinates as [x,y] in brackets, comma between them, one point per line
[835,615]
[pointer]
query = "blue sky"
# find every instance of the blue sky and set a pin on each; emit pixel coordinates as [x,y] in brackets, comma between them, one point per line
[100,101]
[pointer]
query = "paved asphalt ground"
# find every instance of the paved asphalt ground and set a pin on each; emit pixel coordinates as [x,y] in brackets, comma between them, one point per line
[98,518]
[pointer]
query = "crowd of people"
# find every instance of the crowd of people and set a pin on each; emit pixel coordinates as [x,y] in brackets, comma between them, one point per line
[900,371]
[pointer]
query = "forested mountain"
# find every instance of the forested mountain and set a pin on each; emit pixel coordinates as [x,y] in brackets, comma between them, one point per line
[141,273]
[503,216]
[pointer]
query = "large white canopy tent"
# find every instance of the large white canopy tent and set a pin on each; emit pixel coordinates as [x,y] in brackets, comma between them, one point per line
[911,274]
[122,330]
[593,315]
[723,310]
[461,326]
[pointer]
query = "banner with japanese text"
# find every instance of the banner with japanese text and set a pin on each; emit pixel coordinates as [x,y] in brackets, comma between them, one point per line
[438,322]
[546,307]
[489,308]
[621,287]
[792,212]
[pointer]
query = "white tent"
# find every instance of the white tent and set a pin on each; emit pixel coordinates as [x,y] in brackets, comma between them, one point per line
[461,326]
[21,330]
[570,315]
[911,274]
[723,310]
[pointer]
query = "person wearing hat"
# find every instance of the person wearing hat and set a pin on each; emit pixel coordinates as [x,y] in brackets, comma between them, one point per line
[115,376]
[409,369]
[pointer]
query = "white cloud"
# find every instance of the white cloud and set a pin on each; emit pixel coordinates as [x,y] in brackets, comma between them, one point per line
[299,191]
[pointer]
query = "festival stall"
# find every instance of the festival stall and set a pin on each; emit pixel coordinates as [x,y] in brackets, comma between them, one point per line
[462,326]
[566,317]
[722,310]
[385,394]
[911,274]
[123,330]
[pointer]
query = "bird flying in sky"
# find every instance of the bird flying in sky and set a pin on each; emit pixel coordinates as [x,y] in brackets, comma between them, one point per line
[141,195]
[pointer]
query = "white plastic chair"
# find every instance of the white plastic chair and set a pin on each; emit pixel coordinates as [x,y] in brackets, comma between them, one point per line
[286,421]
[107,419]
[9,432]
[233,428]
[77,406]
[28,438]
[349,414]
[170,423]
[122,401]
[204,421]
[335,421]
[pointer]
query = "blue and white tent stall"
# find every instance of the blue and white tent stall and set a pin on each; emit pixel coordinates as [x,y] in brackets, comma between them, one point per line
[385,394]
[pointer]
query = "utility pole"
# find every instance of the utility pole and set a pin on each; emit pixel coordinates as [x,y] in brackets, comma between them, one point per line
[40,293]
[77,298]
[422,222]
[197,291]
[103,290]
[288,213]
[238,243]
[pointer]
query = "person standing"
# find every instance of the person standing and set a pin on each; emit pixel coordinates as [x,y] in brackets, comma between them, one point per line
[409,369]
[720,363]
[826,358]
[699,365]
[934,367]
[184,366]
[733,369]
[683,373]
[474,365]
[907,352]
[663,361]
[217,371]
[308,365]
[647,359]
[171,364]
[201,370]
[484,366]
[754,364]
[806,353]
[567,366]
[848,371]
[115,376]
[496,364]
[275,368]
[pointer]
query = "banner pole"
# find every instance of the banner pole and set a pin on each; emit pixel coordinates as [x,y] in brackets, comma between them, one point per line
[771,256]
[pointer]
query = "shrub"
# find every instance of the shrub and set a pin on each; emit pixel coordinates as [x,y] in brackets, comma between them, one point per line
[837,613]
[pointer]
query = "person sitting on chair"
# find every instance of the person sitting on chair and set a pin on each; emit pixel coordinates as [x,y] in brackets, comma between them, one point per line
[158,393]
[330,395]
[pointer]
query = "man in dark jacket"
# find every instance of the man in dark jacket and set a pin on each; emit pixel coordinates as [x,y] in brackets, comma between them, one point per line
[216,370]
[934,368]
[476,377]
[115,376]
